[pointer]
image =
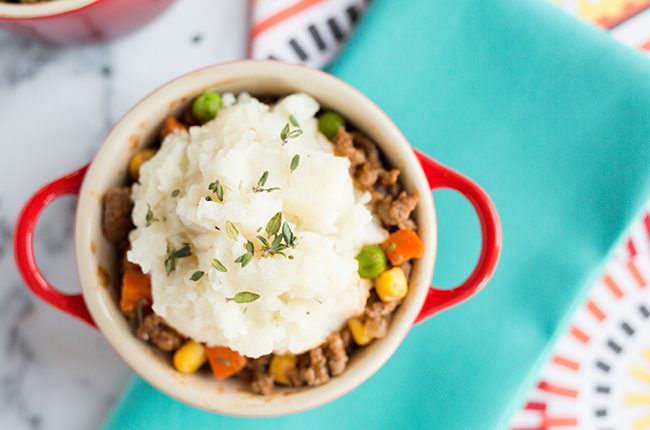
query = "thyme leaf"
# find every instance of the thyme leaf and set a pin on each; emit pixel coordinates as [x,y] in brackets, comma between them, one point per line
[294,133]
[197,275]
[285,132]
[263,179]
[216,188]
[246,257]
[219,192]
[295,161]
[274,223]
[170,262]
[223,361]
[218,265]
[149,217]
[261,182]
[289,237]
[244,297]
[231,230]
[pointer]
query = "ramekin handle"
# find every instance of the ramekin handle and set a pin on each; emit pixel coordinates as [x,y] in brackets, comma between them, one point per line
[440,176]
[72,304]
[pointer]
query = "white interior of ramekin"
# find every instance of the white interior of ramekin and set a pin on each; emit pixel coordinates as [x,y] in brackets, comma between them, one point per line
[39,10]
[136,130]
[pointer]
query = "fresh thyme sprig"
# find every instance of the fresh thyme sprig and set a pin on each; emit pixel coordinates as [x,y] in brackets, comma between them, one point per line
[287,133]
[246,257]
[272,243]
[261,182]
[170,262]
[217,189]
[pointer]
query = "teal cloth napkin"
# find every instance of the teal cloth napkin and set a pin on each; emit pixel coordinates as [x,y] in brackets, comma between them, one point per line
[552,118]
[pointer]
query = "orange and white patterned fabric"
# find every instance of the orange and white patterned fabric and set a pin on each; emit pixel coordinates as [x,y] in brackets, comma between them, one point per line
[598,376]
[309,32]
[628,21]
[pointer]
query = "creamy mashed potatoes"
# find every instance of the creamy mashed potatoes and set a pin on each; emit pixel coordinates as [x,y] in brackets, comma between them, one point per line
[304,296]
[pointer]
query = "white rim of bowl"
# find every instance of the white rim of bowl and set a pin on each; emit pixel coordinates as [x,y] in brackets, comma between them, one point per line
[138,361]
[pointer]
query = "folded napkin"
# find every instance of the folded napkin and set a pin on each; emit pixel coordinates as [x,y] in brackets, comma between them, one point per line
[552,118]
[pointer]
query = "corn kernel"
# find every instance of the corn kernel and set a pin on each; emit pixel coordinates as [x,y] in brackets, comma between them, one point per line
[358,330]
[391,285]
[189,357]
[279,366]
[137,160]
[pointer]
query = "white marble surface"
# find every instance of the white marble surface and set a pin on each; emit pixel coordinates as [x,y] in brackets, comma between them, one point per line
[56,104]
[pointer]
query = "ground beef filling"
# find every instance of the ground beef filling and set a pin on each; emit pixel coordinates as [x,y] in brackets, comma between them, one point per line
[390,202]
[154,329]
[116,216]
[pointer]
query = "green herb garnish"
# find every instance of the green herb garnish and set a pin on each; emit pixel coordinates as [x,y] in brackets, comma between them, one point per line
[273,226]
[287,133]
[223,361]
[263,179]
[208,198]
[295,161]
[149,217]
[272,244]
[219,192]
[170,262]
[246,257]
[289,237]
[196,275]
[244,297]
[216,188]
[176,192]
[260,184]
[392,246]
[231,230]
[218,265]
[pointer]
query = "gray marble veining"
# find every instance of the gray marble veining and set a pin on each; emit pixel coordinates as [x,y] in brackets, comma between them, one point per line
[56,105]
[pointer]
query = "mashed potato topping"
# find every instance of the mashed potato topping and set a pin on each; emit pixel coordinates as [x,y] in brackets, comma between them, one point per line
[303,296]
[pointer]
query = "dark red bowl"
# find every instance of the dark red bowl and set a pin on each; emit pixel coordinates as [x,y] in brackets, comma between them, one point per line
[78,21]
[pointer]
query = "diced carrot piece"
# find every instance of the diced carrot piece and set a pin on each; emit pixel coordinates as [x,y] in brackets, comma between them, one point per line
[402,245]
[224,361]
[172,125]
[136,288]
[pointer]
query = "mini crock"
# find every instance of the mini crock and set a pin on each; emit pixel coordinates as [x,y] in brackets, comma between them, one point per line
[96,260]
[78,21]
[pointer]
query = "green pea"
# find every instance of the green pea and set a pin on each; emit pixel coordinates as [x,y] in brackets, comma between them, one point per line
[206,106]
[329,124]
[372,261]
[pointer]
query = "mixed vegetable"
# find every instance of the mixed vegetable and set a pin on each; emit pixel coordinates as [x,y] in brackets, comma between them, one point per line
[386,264]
